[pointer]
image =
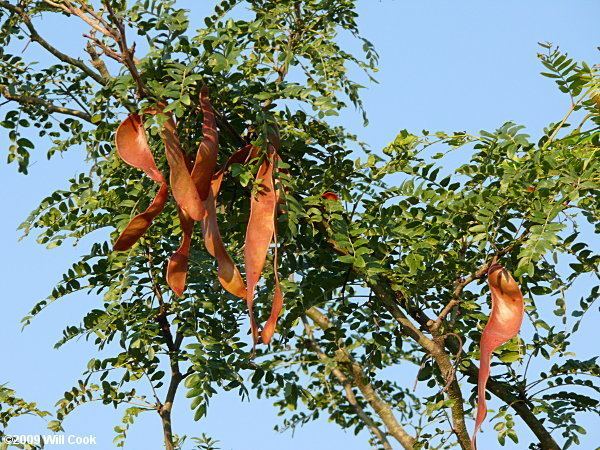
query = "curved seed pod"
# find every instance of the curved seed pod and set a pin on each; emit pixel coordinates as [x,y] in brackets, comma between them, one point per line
[183,188]
[206,157]
[504,324]
[269,329]
[227,271]
[138,226]
[259,235]
[274,143]
[132,147]
[177,267]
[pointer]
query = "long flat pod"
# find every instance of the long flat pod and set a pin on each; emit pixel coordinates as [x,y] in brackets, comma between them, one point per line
[206,157]
[504,324]
[178,264]
[183,188]
[201,173]
[259,234]
[228,273]
[177,267]
[269,329]
[132,147]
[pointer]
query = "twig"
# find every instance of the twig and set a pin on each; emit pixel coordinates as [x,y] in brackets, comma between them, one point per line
[97,61]
[452,376]
[75,99]
[126,52]
[361,381]
[94,22]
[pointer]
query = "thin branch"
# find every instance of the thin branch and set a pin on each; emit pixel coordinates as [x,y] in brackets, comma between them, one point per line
[75,99]
[97,61]
[48,106]
[347,384]
[35,36]
[105,48]
[126,52]
[381,407]
[93,21]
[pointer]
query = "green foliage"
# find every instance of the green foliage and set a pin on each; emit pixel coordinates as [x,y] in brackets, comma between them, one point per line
[411,225]
[11,407]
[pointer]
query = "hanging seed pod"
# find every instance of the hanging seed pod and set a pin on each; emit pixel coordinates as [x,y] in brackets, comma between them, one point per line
[201,173]
[504,324]
[269,329]
[259,235]
[132,147]
[206,157]
[177,267]
[183,188]
[228,273]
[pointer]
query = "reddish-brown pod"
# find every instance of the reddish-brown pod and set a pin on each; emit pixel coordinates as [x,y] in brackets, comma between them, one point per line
[259,235]
[269,329]
[228,273]
[183,188]
[177,267]
[330,196]
[206,157]
[504,324]
[132,147]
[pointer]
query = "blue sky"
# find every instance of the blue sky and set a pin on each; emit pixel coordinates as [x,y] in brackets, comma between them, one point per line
[445,65]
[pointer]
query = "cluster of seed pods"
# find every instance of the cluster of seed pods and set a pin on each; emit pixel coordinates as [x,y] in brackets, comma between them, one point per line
[195,188]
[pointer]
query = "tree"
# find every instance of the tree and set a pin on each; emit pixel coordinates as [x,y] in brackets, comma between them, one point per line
[380,257]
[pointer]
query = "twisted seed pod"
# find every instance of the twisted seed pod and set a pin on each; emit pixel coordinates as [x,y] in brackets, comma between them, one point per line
[201,173]
[177,267]
[269,329]
[206,157]
[274,143]
[504,324]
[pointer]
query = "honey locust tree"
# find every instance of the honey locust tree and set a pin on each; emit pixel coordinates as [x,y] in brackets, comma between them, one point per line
[387,271]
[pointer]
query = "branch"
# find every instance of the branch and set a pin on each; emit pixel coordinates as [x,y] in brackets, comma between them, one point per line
[382,408]
[95,21]
[126,52]
[35,36]
[388,298]
[347,384]
[48,106]
[174,346]
[97,61]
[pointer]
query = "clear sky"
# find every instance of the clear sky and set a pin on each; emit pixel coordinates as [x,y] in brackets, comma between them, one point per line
[445,65]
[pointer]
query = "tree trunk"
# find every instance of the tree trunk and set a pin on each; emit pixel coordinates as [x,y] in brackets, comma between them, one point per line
[165,416]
